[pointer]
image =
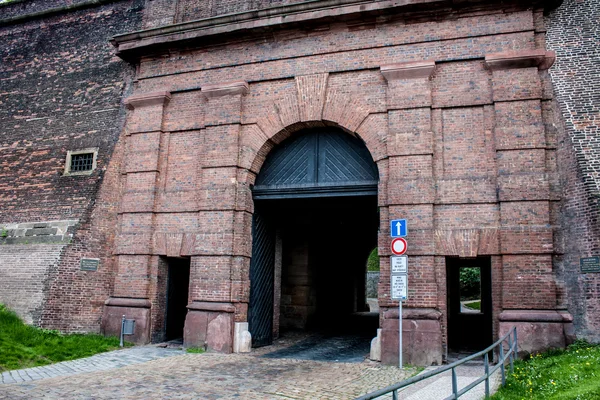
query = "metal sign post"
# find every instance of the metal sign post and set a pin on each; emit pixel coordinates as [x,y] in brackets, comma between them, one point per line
[399,272]
[400,334]
[399,285]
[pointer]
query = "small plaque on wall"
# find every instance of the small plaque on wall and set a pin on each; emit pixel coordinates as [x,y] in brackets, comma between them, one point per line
[89,264]
[589,264]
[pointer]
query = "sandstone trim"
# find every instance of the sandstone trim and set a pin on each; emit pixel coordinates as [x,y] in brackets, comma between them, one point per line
[520,59]
[147,99]
[408,70]
[224,89]
[534,316]
[127,302]
[209,306]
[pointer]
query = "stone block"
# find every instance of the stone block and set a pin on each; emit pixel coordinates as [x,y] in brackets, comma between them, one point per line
[242,339]
[537,331]
[421,341]
[375,353]
[209,326]
[137,309]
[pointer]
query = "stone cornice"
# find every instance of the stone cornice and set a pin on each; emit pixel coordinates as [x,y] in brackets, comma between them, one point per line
[135,44]
[147,99]
[520,59]
[224,89]
[408,70]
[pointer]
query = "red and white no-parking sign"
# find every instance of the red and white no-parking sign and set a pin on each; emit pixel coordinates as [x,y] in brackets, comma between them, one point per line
[399,246]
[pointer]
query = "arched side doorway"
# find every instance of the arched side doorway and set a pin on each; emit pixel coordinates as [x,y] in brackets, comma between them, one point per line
[314,224]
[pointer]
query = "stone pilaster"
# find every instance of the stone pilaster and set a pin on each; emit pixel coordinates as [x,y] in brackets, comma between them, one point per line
[132,291]
[220,250]
[410,194]
[524,163]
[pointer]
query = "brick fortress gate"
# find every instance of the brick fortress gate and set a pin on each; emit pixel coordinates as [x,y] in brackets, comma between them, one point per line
[454,116]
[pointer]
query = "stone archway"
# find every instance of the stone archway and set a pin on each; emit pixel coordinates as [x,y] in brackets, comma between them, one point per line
[307,180]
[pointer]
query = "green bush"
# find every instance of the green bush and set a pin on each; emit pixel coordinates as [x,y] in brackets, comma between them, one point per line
[373,261]
[470,283]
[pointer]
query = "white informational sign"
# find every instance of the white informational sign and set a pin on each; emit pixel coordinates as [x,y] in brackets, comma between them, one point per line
[399,264]
[399,287]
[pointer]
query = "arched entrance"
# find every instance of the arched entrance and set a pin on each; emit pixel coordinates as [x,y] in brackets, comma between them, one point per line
[314,224]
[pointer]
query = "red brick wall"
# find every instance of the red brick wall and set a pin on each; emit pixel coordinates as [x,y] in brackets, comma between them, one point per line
[61,88]
[465,154]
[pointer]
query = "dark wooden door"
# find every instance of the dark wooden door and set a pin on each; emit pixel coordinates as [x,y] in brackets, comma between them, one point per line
[262,275]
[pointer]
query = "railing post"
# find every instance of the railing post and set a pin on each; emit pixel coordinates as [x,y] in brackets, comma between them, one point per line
[511,354]
[487,375]
[395,395]
[502,361]
[454,383]
[122,328]
[516,342]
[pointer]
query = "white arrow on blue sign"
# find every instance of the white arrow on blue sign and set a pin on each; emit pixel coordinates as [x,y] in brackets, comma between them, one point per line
[398,228]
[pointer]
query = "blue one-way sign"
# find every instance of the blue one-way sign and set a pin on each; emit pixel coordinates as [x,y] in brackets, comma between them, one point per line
[398,228]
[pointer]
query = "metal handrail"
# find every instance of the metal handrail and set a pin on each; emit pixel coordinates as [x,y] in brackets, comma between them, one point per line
[510,355]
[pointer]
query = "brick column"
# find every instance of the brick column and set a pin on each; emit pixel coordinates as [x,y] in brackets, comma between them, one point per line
[525,161]
[133,247]
[221,252]
[410,195]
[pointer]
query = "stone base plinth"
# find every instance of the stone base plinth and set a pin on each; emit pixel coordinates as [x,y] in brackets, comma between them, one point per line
[209,326]
[137,309]
[537,331]
[421,337]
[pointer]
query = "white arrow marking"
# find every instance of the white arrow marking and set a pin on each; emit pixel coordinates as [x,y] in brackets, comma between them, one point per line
[398,227]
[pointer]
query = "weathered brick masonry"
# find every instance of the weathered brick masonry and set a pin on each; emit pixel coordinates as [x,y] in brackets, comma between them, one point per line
[455,104]
[60,89]
[453,109]
[573,32]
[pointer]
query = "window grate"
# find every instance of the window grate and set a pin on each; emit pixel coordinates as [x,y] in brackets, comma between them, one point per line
[82,162]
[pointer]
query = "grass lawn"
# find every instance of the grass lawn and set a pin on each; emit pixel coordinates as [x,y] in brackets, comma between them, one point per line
[23,346]
[475,305]
[556,375]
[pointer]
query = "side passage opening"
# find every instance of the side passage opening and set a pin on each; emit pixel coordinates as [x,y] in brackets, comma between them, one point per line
[469,304]
[178,282]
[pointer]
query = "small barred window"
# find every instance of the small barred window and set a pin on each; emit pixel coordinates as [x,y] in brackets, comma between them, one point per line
[81,162]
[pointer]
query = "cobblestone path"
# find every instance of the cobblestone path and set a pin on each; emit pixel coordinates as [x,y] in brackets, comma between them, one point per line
[98,362]
[214,376]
